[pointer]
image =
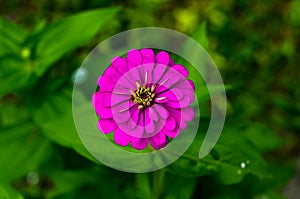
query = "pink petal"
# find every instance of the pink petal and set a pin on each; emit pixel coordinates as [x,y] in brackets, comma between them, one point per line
[162,58]
[185,88]
[106,125]
[105,99]
[176,114]
[102,98]
[106,84]
[121,90]
[192,84]
[158,72]
[178,93]
[183,124]
[158,141]
[120,64]
[135,130]
[171,62]
[121,138]
[134,74]
[171,134]
[179,104]
[112,73]
[170,123]
[103,112]
[134,139]
[154,145]
[153,114]
[159,138]
[95,98]
[134,57]
[127,84]
[173,94]
[121,114]
[162,112]
[141,144]
[160,89]
[149,125]
[150,128]
[148,55]
[172,78]
[141,119]
[148,68]
[131,65]
[135,113]
[119,98]
[147,116]
[188,113]
[181,69]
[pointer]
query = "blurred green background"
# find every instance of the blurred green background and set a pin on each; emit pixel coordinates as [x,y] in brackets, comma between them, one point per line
[256,45]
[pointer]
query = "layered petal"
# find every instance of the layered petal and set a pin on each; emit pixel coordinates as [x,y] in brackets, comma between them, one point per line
[121,138]
[134,57]
[162,58]
[106,125]
[144,98]
[159,140]
[140,144]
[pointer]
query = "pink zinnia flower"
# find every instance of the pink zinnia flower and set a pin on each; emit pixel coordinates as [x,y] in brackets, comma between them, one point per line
[144,98]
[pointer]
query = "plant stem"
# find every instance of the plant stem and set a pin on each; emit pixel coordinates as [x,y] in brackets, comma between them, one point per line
[158,183]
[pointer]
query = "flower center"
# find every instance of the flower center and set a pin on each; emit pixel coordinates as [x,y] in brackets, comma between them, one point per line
[143,95]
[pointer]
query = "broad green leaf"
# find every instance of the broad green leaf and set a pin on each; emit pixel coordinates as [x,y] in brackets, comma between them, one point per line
[200,35]
[238,157]
[52,42]
[22,149]
[11,37]
[7,192]
[258,133]
[14,74]
[232,158]
[55,118]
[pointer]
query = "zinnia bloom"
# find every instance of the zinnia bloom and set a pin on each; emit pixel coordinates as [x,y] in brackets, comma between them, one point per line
[144,98]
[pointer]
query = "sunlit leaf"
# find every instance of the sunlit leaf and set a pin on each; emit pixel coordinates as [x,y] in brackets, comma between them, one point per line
[7,192]
[52,42]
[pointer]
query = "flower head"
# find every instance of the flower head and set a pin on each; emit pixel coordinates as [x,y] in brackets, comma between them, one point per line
[144,98]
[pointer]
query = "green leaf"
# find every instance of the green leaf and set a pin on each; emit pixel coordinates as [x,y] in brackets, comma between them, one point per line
[12,114]
[177,187]
[232,158]
[238,157]
[7,192]
[11,37]
[55,118]
[200,35]
[14,74]
[143,186]
[22,149]
[258,133]
[52,42]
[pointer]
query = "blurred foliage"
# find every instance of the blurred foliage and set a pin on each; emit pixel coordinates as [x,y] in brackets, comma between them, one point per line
[255,45]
